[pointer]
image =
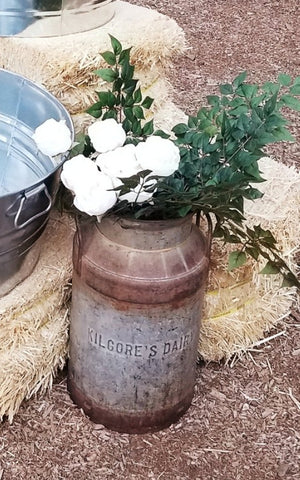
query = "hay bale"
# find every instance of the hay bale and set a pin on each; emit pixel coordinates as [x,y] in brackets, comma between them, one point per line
[65,65]
[34,321]
[242,306]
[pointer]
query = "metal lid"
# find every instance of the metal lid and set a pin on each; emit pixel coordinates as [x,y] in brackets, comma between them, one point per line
[47,18]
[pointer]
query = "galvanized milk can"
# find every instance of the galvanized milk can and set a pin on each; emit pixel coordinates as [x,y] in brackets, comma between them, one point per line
[47,18]
[136,304]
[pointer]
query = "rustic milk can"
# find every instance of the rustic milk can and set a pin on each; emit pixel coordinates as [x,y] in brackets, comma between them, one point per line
[137,296]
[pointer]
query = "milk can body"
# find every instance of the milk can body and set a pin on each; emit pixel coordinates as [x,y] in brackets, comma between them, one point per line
[137,297]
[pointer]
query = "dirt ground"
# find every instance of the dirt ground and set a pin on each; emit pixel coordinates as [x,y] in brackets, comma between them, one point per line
[244,422]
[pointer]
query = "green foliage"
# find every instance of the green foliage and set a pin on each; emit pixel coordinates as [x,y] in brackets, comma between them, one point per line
[236,259]
[220,148]
[123,101]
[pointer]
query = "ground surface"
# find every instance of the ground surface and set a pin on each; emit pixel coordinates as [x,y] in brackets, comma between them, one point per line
[244,423]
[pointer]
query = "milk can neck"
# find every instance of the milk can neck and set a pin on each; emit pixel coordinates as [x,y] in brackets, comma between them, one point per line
[146,234]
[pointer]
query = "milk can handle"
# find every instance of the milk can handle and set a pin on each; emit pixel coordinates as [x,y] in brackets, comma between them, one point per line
[37,215]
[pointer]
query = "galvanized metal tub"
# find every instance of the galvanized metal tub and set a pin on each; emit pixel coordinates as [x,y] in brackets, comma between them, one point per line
[46,18]
[136,306]
[28,179]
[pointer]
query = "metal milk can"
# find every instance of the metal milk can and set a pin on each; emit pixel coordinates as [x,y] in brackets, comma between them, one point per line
[138,288]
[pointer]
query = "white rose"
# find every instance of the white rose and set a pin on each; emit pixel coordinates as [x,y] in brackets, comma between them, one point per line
[120,162]
[77,171]
[106,135]
[94,198]
[53,137]
[138,194]
[159,155]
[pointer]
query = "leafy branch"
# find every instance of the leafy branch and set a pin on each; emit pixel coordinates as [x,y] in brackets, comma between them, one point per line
[220,151]
[220,148]
[124,101]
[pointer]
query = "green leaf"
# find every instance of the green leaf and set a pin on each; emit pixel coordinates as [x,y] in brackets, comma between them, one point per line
[148,128]
[137,96]
[128,101]
[130,86]
[161,133]
[291,102]
[110,114]
[295,89]
[211,130]
[239,79]
[226,89]
[282,134]
[126,124]
[237,102]
[180,129]
[297,80]
[138,112]
[252,193]
[249,90]
[116,45]
[95,110]
[290,280]
[109,57]
[136,127]
[265,236]
[147,102]
[106,99]
[128,112]
[117,85]
[80,142]
[183,211]
[213,100]
[127,72]
[236,259]
[284,79]
[236,112]
[253,252]
[144,173]
[270,269]
[125,56]
[192,121]
[271,104]
[106,74]
[258,100]
[271,88]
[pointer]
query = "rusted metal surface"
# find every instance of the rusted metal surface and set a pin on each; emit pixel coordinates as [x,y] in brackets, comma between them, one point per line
[136,305]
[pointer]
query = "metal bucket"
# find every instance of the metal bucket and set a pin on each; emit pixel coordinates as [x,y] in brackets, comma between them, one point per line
[137,297]
[47,18]
[28,179]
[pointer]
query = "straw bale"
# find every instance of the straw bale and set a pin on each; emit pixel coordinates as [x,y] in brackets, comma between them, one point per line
[152,83]
[34,321]
[242,306]
[31,366]
[279,210]
[65,65]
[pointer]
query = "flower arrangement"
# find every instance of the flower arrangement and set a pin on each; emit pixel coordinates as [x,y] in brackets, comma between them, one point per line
[207,166]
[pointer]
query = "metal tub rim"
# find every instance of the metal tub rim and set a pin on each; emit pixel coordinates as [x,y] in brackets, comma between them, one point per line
[26,129]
